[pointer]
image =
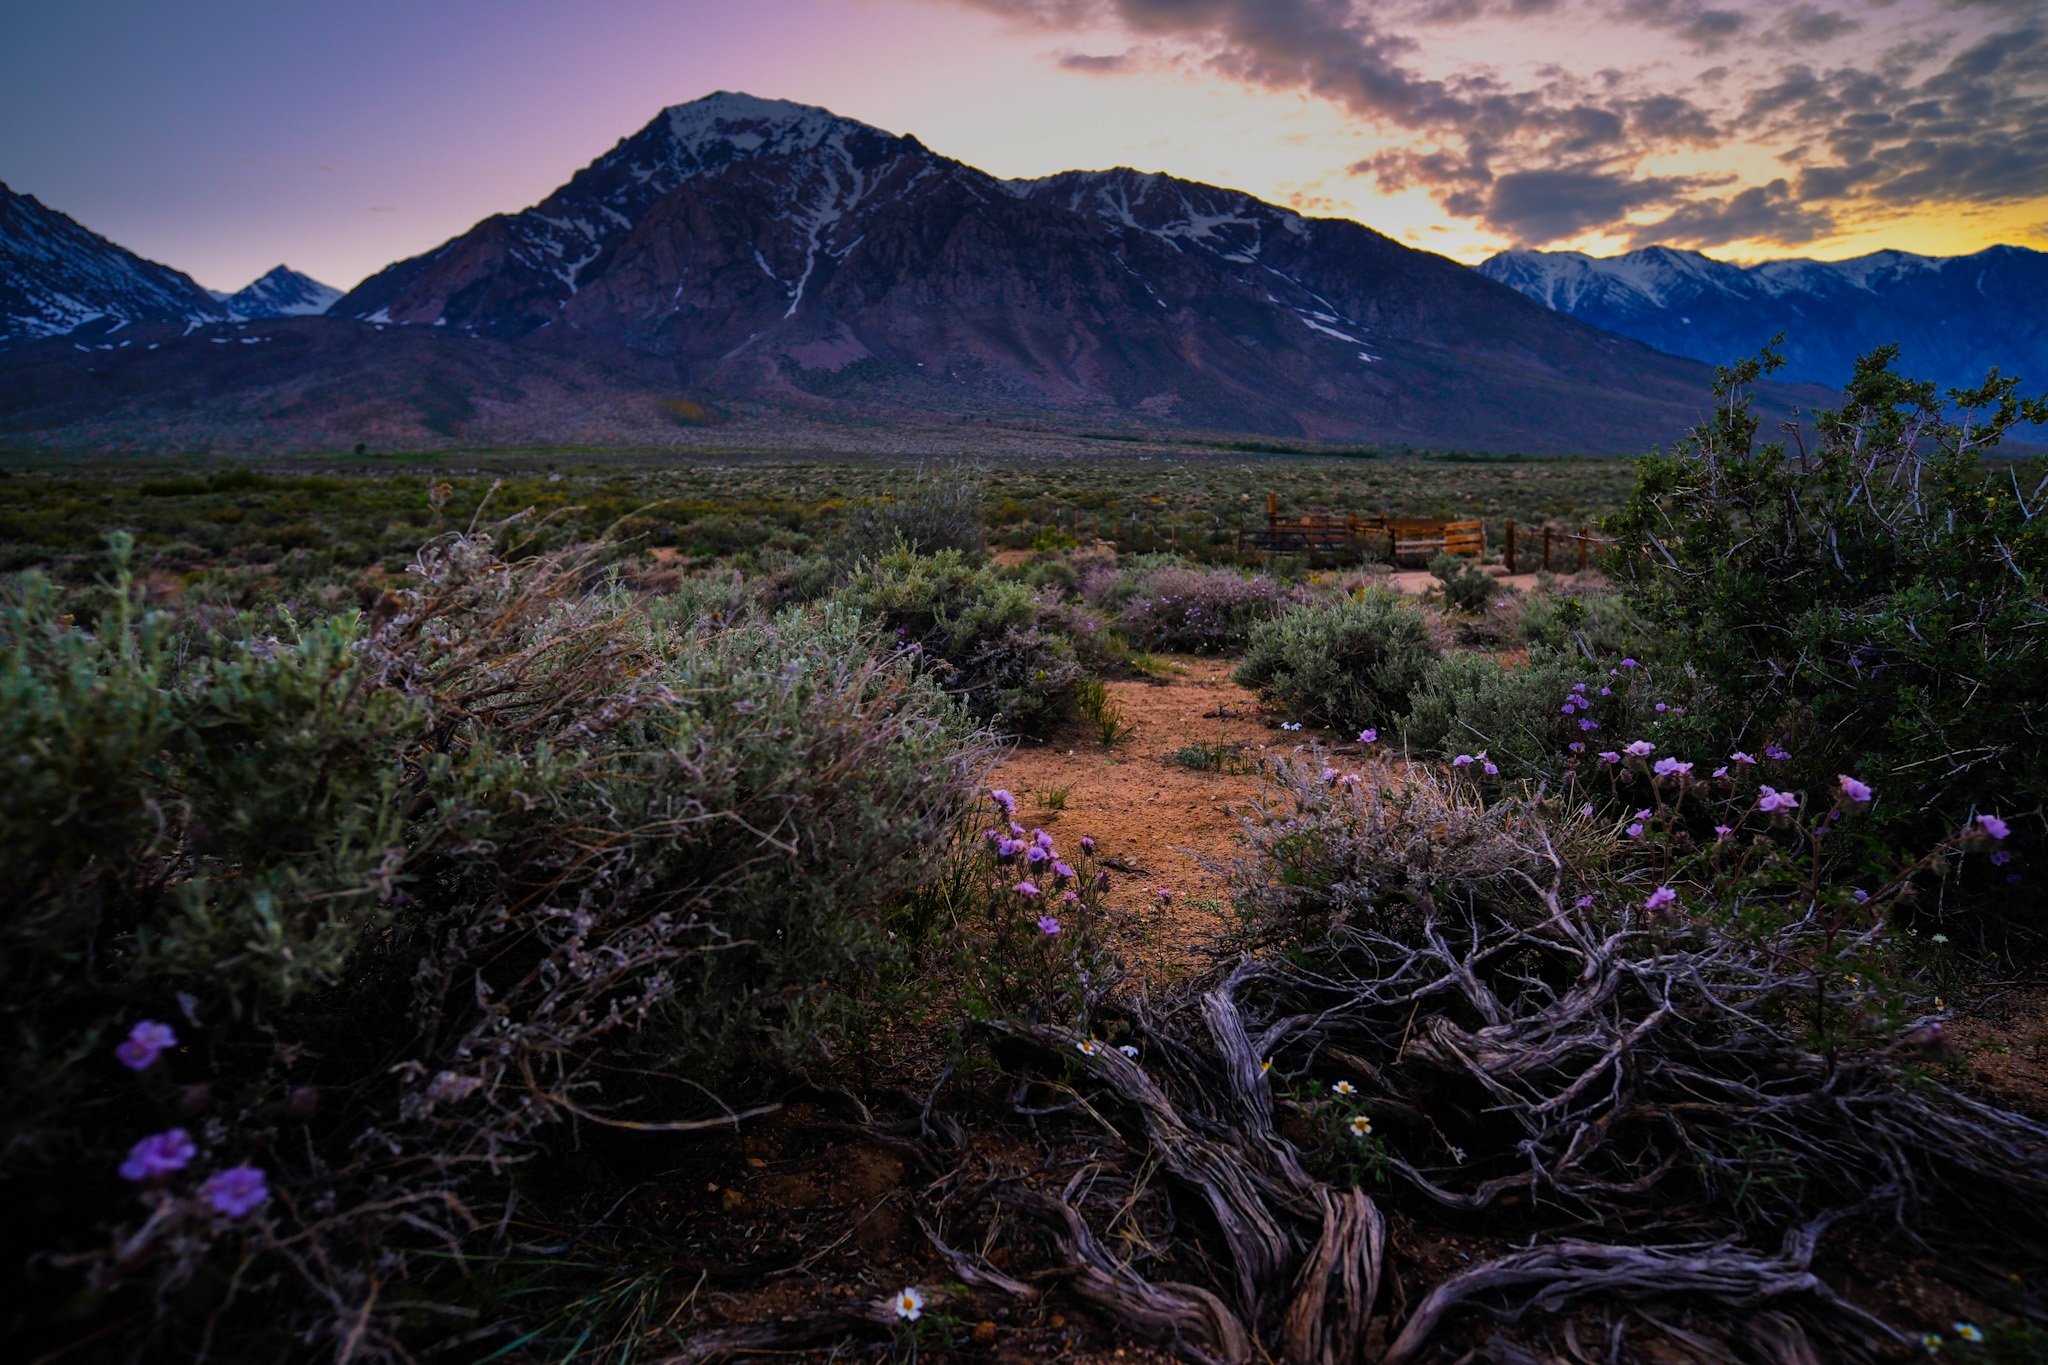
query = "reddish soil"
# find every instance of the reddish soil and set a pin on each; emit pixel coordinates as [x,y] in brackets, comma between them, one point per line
[1149,812]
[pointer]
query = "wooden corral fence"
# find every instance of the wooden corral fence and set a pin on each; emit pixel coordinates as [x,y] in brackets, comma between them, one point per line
[1561,548]
[1388,539]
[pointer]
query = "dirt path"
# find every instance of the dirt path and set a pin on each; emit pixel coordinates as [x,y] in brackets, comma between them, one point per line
[1150,812]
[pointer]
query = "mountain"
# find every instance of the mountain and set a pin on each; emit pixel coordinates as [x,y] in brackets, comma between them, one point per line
[56,275]
[774,257]
[281,293]
[775,248]
[1953,317]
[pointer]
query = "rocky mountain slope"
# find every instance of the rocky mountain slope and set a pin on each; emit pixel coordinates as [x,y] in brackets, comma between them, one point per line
[280,293]
[1952,317]
[773,248]
[56,275]
[764,253]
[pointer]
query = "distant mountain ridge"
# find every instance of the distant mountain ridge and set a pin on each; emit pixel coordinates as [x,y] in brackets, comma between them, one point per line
[1953,317]
[57,276]
[776,248]
[280,292]
[751,251]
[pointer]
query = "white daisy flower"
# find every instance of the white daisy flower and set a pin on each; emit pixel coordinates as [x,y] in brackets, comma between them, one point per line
[1361,1127]
[1345,1088]
[909,1304]
[1089,1047]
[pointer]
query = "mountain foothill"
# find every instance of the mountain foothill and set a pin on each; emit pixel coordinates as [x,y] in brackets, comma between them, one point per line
[759,256]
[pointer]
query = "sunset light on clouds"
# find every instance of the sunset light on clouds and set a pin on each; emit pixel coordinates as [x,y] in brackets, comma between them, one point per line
[230,136]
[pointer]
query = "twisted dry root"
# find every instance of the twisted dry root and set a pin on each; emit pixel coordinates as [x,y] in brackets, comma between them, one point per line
[1605,1071]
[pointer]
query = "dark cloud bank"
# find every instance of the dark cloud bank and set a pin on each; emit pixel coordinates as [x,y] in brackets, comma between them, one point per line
[1865,124]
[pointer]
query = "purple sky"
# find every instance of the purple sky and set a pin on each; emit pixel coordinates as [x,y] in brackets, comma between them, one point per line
[225,136]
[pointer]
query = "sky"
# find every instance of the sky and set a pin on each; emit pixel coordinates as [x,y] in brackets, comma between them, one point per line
[224,137]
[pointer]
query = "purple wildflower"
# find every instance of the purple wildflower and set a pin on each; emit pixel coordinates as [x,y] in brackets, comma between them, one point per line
[1025,889]
[1721,772]
[1740,757]
[145,1041]
[1587,726]
[1578,687]
[1606,691]
[1165,894]
[1609,756]
[1661,707]
[1329,777]
[1035,855]
[1635,831]
[1044,839]
[1008,848]
[1061,870]
[1368,736]
[1671,767]
[2000,858]
[1994,826]
[1641,748]
[1854,790]
[1773,751]
[237,1190]
[1048,926]
[1087,844]
[1493,770]
[1005,800]
[1722,831]
[1576,746]
[1660,898]
[1584,902]
[1462,761]
[1772,800]
[159,1154]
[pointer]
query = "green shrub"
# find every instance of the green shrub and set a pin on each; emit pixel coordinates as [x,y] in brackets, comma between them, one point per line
[406,887]
[1346,665]
[1463,583]
[984,633]
[1591,623]
[1874,599]
[939,512]
[1533,720]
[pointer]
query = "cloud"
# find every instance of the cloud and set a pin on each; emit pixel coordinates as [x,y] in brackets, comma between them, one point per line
[1874,108]
[1096,66]
[1761,213]
[1552,205]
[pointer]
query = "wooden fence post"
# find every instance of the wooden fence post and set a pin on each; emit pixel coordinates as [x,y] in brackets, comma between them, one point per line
[1546,547]
[1507,554]
[1583,547]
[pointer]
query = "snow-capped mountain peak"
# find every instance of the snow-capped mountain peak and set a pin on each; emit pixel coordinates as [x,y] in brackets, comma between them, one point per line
[1953,316]
[280,293]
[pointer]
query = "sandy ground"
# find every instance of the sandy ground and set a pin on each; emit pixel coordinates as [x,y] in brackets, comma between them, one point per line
[1150,812]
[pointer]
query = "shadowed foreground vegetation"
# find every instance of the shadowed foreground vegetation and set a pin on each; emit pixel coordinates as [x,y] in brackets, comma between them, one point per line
[461,913]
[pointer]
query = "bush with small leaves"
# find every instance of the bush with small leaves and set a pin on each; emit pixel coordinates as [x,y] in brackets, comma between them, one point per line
[986,635]
[1344,665]
[359,913]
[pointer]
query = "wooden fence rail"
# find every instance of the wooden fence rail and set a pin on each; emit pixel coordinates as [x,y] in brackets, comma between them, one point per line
[1559,547]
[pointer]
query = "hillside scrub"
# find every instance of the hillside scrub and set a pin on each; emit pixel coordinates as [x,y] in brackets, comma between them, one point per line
[1862,593]
[321,928]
